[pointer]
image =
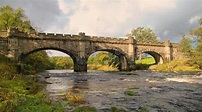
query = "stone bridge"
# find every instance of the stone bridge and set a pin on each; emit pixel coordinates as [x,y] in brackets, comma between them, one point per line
[17,45]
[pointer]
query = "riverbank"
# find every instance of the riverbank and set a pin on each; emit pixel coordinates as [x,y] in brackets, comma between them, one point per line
[176,65]
[19,93]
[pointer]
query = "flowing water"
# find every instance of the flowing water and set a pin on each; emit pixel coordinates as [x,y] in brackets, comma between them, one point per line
[130,91]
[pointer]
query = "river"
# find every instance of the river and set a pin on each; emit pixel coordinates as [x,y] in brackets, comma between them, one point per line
[129,91]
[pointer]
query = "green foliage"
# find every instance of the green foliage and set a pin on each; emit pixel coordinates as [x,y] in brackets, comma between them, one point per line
[180,65]
[60,62]
[14,18]
[196,58]
[185,46]
[148,61]
[145,63]
[85,109]
[36,62]
[194,62]
[144,35]
[7,69]
[129,93]
[19,93]
[103,58]
[197,55]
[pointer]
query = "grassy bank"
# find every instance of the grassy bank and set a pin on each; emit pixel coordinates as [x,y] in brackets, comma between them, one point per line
[145,63]
[148,61]
[177,65]
[19,93]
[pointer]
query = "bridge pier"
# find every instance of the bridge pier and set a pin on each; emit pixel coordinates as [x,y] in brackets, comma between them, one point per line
[80,65]
[131,66]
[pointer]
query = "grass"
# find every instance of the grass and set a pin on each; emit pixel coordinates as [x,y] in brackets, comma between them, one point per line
[74,97]
[179,65]
[147,61]
[129,93]
[19,93]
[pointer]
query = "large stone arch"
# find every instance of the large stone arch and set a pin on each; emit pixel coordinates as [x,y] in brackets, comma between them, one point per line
[123,58]
[158,57]
[23,55]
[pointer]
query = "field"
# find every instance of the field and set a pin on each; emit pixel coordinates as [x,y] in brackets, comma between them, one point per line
[147,61]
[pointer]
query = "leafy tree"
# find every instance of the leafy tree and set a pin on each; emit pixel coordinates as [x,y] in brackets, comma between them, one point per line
[61,62]
[14,18]
[185,46]
[197,53]
[114,60]
[198,31]
[104,58]
[36,62]
[142,34]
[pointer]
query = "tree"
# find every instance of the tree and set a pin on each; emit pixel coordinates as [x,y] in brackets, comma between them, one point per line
[60,62]
[14,18]
[104,58]
[197,53]
[36,62]
[142,34]
[185,46]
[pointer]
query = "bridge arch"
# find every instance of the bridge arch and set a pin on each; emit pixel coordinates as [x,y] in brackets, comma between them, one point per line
[158,57]
[24,55]
[123,59]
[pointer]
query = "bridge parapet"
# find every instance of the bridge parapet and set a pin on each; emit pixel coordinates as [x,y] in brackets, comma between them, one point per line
[109,40]
[160,44]
[151,43]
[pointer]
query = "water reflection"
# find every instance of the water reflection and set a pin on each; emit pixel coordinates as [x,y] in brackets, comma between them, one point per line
[80,84]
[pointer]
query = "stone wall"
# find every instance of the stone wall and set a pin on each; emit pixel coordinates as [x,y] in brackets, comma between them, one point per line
[3,46]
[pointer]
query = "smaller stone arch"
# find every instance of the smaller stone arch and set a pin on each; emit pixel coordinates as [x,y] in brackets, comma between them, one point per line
[123,58]
[158,57]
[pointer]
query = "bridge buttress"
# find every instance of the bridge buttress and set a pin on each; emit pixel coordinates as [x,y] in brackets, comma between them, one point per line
[131,54]
[167,50]
[80,63]
[13,48]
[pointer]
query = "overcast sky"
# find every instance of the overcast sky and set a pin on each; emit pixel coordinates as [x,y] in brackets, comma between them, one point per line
[112,18]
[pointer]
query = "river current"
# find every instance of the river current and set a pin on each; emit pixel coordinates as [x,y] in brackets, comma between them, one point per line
[130,91]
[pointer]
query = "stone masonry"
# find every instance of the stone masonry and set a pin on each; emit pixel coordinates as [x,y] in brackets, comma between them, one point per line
[17,45]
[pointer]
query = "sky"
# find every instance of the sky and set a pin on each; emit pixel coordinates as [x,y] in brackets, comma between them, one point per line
[112,18]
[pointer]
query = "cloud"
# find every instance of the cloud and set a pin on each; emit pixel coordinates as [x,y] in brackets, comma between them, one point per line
[114,18]
[156,5]
[194,20]
[43,14]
